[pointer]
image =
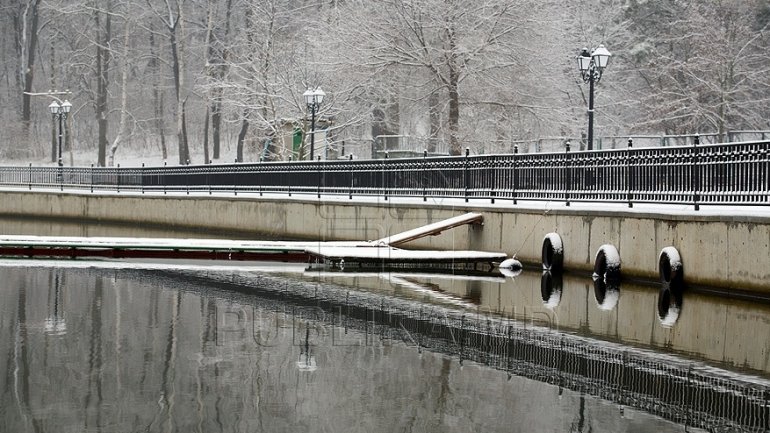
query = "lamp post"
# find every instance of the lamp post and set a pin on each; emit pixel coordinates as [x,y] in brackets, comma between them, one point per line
[313,99]
[591,68]
[60,111]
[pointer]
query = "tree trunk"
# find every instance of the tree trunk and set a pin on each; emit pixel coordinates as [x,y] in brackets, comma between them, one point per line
[216,115]
[206,136]
[53,86]
[184,131]
[29,49]
[157,96]
[241,139]
[181,145]
[123,98]
[454,114]
[434,115]
[453,82]
[216,125]
[102,81]
[176,35]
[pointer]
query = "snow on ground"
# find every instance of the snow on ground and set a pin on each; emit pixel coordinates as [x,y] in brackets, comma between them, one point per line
[126,156]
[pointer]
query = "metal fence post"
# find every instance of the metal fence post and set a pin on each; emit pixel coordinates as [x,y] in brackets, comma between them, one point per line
[385,175]
[350,191]
[320,175]
[142,177]
[187,176]
[208,176]
[629,176]
[767,171]
[466,174]
[695,173]
[117,177]
[492,179]
[567,174]
[30,176]
[259,172]
[92,177]
[425,175]
[165,176]
[515,172]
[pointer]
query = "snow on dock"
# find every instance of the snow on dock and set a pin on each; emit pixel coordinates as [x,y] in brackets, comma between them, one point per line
[119,247]
[329,252]
[388,255]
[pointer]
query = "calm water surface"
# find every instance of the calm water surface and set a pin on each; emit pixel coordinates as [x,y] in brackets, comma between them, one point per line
[105,347]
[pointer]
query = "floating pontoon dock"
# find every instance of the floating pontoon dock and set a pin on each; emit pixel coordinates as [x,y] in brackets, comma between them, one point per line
[336,255]
[332,252]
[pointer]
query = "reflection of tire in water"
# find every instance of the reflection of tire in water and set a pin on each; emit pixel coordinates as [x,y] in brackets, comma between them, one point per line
[553,253]
[669,303]
[670,266]
[606,292]
[550,289]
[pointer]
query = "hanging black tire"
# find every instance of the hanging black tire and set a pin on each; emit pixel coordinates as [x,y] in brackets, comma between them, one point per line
[553,253]
[607,263]
[670,267]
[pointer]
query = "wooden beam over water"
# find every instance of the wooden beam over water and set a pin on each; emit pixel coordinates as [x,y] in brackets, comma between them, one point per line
[431,229]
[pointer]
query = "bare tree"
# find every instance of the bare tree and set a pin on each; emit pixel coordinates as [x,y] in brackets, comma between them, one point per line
[25,17]
[449,40]
[706,69]
[217,53]
[123,125]
[103,23]
[172,17]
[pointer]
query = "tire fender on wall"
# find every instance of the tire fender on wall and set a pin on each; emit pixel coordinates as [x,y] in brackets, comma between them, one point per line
[553,253]
[670,266]
[607,263]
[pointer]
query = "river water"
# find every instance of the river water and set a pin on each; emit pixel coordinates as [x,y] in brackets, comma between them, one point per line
[123,347]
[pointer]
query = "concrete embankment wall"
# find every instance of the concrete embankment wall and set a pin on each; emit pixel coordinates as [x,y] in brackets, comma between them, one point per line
[724,251]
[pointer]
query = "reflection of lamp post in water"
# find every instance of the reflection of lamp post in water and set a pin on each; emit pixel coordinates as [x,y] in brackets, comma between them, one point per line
[60,111]
[306,361]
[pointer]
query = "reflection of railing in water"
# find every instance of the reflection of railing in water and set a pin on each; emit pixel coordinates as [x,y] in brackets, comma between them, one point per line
[679,390]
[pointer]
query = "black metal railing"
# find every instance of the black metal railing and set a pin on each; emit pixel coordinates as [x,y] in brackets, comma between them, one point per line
[726,174]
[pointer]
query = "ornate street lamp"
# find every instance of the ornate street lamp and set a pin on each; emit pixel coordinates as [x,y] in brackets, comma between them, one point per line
[60,111]
[591,68]
[313,99]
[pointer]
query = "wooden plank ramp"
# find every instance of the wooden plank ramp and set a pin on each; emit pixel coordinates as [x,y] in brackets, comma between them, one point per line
[431,229]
